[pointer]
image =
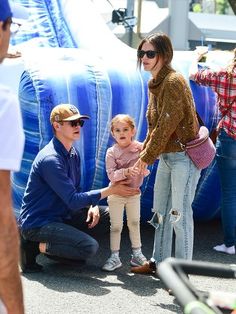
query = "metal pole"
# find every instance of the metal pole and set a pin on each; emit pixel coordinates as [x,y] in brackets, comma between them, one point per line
[130,12]
[139,18]
[179,23]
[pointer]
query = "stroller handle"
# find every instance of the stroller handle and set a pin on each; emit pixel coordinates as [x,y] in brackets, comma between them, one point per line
[203,268]
[173,272]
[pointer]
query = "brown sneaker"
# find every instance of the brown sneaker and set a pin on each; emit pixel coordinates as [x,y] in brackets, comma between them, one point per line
[148,268]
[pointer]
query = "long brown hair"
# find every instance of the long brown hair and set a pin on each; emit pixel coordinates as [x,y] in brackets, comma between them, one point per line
[162,45]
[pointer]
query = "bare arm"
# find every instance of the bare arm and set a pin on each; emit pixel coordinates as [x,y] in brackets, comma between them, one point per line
[10,282]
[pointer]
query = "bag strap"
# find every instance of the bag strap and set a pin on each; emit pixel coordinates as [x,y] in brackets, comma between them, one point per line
[200,121]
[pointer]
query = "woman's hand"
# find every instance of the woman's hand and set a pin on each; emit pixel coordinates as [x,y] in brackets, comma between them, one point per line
[141,166]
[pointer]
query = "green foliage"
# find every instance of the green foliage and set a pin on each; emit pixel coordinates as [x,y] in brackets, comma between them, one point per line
[222,6]
[197,8]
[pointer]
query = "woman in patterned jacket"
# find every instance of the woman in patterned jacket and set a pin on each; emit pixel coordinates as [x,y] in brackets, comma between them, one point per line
[171,118]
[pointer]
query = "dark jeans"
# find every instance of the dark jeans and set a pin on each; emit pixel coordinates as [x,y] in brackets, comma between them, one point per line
[71,239]
[226,161]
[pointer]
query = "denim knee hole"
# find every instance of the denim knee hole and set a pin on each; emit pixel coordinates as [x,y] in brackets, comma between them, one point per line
[156,220]
[174,215]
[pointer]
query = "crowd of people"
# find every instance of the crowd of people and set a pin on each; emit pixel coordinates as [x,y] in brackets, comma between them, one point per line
[61,221]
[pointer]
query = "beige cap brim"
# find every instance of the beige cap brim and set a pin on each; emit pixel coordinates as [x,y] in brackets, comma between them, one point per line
[76,117]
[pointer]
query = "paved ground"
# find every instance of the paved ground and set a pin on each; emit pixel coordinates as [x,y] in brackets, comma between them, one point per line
[68,290]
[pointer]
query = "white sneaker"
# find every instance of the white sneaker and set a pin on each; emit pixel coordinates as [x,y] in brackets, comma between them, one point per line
[224,249]
[112,263]
[138,259]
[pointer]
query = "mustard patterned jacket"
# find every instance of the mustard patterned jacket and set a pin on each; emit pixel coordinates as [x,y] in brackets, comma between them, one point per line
[170,115]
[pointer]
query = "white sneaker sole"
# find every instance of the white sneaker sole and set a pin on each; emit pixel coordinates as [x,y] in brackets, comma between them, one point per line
[219,249]
[135,264]
[111,269]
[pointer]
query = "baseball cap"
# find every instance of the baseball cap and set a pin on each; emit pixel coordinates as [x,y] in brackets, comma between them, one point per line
[66,112]
[8,9]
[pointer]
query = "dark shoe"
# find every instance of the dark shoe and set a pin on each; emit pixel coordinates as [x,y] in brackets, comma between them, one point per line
[30,269]
[66,261]
[148,268]
[28,253]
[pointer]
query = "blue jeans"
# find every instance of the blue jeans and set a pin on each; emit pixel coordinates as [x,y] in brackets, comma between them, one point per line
[226,161]
[72,238]
[174,190]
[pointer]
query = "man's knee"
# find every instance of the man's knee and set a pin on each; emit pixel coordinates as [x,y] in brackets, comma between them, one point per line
[90,249]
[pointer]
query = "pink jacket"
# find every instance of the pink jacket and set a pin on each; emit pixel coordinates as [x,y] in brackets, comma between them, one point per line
[118,159]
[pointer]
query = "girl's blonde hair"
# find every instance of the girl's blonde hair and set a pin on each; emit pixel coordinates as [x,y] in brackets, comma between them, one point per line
[122,118]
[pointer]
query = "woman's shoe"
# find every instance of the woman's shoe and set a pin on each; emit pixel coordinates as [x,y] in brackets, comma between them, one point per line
[148,268]
[28,253]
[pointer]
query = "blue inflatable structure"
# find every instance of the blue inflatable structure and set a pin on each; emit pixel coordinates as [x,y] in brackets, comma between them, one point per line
[66,60]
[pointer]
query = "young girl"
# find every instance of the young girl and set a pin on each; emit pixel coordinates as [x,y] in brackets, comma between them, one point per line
[120,159]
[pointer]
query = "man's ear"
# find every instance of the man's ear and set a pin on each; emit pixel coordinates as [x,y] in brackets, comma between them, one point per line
[56,125]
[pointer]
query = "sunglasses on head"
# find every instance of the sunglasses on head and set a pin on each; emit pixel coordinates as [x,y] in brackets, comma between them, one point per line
[149,53]
[75,123]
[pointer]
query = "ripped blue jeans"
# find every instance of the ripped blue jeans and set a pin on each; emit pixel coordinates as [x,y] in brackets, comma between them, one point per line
[174,190]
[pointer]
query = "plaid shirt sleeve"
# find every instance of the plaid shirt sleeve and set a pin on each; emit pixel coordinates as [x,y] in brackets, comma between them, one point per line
[225,87]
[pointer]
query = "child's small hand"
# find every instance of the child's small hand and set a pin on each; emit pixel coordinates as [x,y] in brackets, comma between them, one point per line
[132,171]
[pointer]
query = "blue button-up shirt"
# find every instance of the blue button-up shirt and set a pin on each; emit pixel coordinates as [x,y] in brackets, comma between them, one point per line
[53,190]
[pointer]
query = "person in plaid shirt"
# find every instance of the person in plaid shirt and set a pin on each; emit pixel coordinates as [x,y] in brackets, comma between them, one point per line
[223,83]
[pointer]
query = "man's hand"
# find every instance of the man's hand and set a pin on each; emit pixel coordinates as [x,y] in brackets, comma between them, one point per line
[93,216]
[120,188]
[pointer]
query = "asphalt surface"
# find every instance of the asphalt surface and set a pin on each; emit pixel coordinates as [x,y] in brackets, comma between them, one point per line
[87,289]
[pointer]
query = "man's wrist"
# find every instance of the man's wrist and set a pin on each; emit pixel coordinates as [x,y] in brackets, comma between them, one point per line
[107,191]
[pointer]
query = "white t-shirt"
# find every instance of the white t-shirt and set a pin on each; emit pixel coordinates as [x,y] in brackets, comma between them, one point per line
[3,309]
[11,131]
